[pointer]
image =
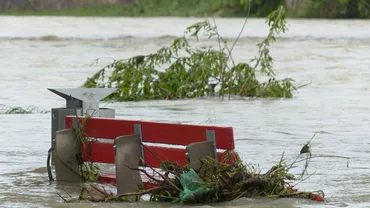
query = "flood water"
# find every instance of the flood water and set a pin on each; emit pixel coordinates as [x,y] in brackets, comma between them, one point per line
[49,52]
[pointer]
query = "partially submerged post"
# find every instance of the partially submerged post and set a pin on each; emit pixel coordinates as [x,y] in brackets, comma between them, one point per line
[66,164]
[127,154]
[79,102]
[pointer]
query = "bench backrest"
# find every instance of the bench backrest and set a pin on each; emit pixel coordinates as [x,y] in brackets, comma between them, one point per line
[151,132]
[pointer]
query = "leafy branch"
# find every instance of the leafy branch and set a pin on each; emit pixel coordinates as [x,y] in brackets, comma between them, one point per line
[181,71]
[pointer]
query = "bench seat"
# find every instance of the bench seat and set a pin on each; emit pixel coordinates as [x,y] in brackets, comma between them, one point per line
[158,142]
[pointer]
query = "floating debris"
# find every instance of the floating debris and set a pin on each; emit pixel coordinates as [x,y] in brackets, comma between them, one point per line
[5,109]
[213,182]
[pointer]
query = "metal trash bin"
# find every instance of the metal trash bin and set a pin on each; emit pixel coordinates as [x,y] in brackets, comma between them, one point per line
[79,102]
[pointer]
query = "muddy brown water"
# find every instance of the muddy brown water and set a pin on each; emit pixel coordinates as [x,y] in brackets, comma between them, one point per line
[333,55]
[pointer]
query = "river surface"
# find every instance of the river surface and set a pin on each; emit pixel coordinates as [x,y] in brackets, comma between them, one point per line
[37,53]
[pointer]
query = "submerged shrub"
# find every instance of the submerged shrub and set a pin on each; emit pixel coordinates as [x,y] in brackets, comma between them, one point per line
[181,71]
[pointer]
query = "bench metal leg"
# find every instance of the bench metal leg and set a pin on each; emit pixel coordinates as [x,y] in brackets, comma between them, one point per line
[66,151]
[199,151]
[127,155]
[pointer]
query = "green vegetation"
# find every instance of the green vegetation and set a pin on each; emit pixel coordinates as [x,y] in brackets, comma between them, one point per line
[181,71]
[340,9]
[162,8]
[224,8]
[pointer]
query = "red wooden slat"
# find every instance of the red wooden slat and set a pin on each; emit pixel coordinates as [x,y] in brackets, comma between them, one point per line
[98,152]
[104,128]
[111,179]
[164,154]
[108,178]
[154,132]
[184,134]
[104,153]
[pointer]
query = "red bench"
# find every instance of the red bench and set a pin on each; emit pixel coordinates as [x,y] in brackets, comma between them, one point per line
[157,138]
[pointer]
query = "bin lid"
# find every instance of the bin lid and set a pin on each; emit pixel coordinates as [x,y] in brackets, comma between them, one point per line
[83,94]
